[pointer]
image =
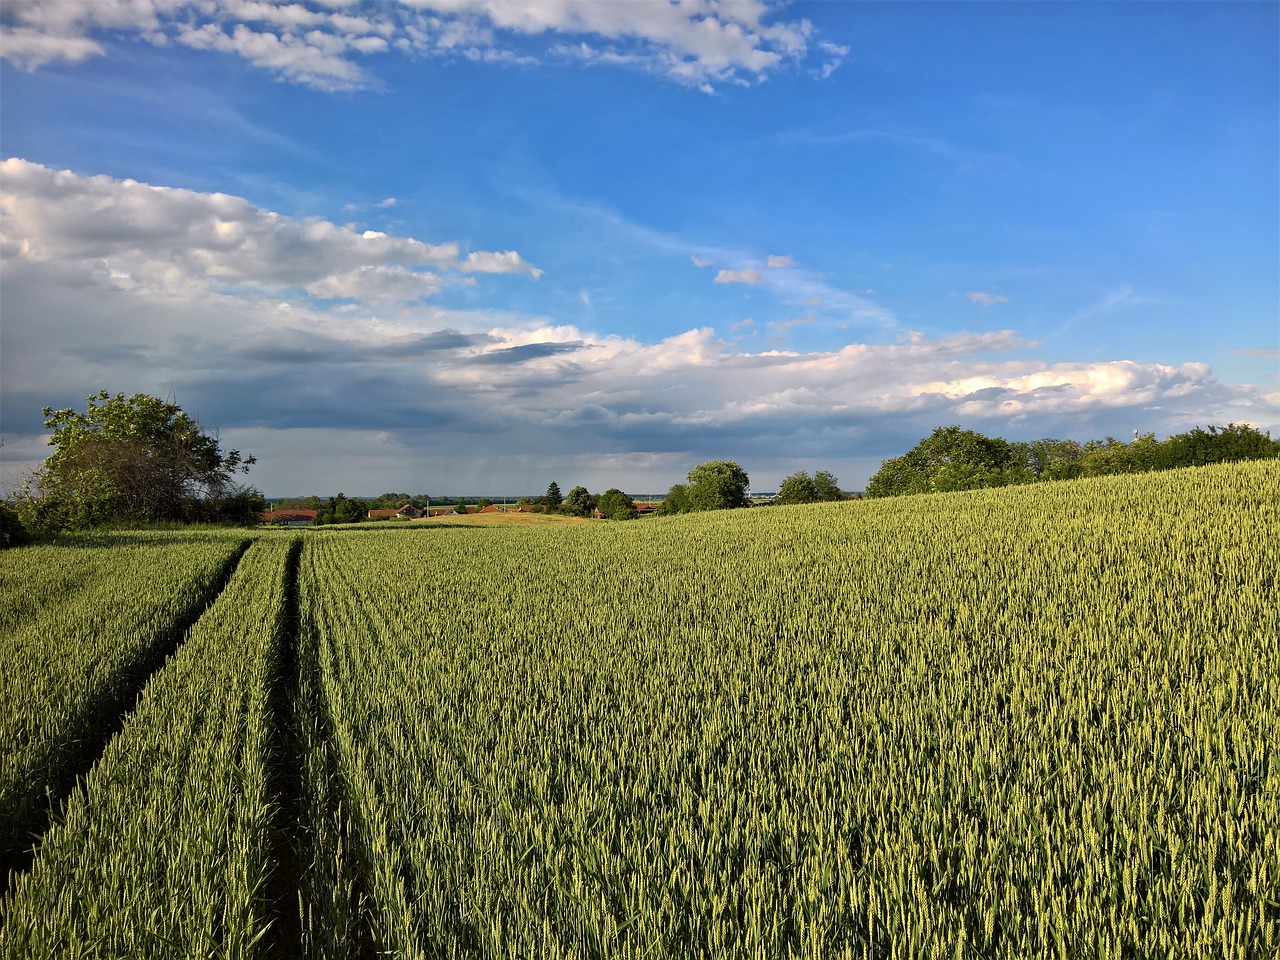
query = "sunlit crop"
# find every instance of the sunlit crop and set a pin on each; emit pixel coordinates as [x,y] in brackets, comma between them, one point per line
[1029,722]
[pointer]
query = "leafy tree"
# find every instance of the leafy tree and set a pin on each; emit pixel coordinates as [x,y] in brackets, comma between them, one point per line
[717,485]
[579,503]
[950,459]
[899,477]
[341,509]
[482,503]
[827,487]
[797,488]
[135,458]
[241,509]
[1235,441]
[552,498]
[1049,459]
[676,501]
[461,508]
[298,503]
[616,505]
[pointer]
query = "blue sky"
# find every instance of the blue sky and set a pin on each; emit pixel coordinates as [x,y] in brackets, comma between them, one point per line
[479,245]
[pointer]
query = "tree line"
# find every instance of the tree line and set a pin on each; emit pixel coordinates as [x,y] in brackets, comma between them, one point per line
[951,458]
[142,460]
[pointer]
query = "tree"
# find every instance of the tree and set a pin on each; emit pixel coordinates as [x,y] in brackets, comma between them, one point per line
[579,503]
[797,488]
[950,459]
[676,501]
[341,509]
[827,487]
[717,485]
[552,498]
[1235,441]
[482,503]
[1049,459]
[135,458]
[616,505]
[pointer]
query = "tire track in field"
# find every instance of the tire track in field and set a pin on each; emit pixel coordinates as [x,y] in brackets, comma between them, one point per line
[282,893]
[110,714]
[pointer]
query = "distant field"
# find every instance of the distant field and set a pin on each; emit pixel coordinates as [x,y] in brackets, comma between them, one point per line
[1029,722]
[509,517]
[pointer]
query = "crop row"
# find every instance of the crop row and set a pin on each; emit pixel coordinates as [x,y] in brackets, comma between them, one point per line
[163,851]
[81,627]
[1023,722]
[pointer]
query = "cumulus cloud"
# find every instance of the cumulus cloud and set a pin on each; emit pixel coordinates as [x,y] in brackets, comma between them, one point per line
[987,299]
[692,42]
[320,349]
[739,276]
[172,241]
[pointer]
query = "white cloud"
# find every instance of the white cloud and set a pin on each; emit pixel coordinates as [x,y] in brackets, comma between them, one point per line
[776,262]
[312,334]
[376,283]
[987,299]
[693,42]
[701,262]
[739,276]
[176,241]
[507,262]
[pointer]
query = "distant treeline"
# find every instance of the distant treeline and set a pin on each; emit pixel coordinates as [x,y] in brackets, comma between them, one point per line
[954,459]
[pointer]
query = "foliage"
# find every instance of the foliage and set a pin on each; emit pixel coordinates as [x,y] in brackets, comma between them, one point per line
[616,505]
[954,459]
[949,459]
[137,459]
[460,508]
[482,503]
[552,498]
[298,503]
[1050,459]
[12,531]
[799,487]
[676,501]
[341,509]
[714,485]
[1230,444]
[579,502]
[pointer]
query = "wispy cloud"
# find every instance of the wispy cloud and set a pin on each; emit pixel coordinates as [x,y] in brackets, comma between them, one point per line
[1112,302]
[776,262]
[987,299]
